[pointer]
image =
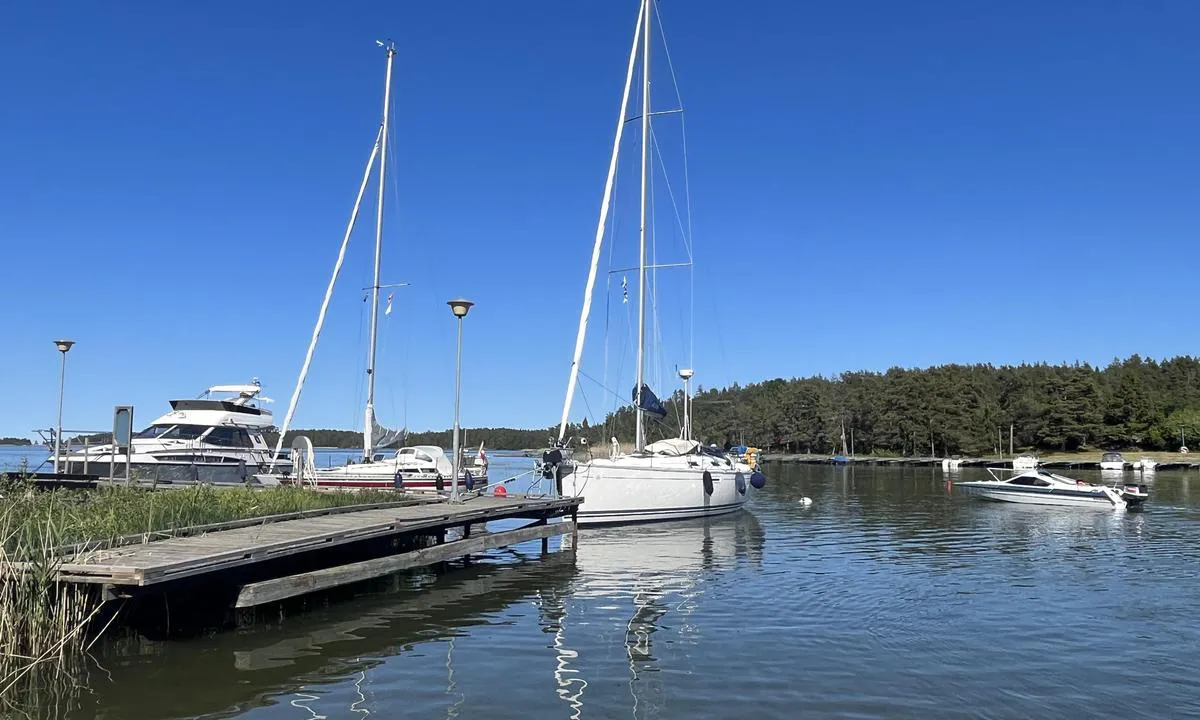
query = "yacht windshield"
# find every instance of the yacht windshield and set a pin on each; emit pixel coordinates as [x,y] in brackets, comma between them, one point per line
[173,432]
[154,431]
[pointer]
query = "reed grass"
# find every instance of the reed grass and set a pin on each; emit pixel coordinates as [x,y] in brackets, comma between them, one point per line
[48,625]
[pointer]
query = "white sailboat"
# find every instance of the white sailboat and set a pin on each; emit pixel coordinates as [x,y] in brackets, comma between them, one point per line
[669,479]
[422,467]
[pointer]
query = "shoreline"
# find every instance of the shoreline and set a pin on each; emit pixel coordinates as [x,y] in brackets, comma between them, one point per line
[1080,461]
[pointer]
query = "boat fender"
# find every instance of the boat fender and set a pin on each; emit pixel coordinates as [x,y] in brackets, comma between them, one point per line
[500,491]
[758,480]
[397,480]
[560,472]
[468,480]
[708,483]
[439,483]
[741,483]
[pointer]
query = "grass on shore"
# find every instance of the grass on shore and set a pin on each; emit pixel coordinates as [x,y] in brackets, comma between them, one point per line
[45,625]
[57,518]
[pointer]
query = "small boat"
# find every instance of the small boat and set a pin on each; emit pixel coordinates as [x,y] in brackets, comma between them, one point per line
[1038,487]
[1025,462]
[951,464]
[1112,461]
[1145,465]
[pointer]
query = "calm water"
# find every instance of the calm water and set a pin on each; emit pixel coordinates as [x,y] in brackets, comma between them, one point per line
[889,597]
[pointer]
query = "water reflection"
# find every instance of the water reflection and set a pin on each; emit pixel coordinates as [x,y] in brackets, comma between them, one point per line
[654,576]
[229,673]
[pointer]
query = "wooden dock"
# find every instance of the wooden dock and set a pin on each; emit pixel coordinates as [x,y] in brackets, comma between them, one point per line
[266,562]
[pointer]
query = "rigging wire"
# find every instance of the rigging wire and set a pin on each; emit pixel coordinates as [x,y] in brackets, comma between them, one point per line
[687,191]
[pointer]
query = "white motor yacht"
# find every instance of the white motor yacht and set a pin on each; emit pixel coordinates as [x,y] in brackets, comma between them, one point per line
[216,438]
[1038,487]
[1112,461]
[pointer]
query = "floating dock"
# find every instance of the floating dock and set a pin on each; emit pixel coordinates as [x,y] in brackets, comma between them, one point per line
[250,563]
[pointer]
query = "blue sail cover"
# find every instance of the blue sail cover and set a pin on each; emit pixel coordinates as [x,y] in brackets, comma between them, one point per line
[650,402]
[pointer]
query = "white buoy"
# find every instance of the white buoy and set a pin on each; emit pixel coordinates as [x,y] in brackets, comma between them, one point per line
[805,501]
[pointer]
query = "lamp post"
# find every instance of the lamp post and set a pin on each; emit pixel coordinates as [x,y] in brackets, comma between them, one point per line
[63,347]
[459,307]
[686,375]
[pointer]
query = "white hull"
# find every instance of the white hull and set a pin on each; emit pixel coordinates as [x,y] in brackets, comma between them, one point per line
[347,481]
[1100,502]
[633,489]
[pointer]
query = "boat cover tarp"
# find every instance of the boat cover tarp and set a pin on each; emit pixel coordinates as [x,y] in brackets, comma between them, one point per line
[674,447]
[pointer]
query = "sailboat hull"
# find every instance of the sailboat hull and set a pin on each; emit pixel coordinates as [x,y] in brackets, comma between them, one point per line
[634,489]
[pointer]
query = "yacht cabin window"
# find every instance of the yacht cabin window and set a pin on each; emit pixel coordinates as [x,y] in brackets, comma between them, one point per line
[229,437]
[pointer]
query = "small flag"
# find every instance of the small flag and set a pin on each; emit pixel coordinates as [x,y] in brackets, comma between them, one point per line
[624,289]
[388,309]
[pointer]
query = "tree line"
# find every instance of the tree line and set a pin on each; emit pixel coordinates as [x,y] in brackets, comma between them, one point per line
[947,410]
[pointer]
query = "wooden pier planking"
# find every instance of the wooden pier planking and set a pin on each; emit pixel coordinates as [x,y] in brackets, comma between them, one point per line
[269,591]
[162,561]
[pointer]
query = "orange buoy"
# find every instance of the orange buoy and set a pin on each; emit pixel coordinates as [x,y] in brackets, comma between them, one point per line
[499,491]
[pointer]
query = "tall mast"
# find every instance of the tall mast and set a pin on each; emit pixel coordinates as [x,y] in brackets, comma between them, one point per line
[640,438]
[600,225]
[369,414]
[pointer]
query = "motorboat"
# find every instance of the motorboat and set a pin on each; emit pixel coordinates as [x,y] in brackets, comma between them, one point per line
[673,478]
[215,438]
[1025,462]
[951,464]
[1145,465]
[1038,487]
[421,468]
[1112,461]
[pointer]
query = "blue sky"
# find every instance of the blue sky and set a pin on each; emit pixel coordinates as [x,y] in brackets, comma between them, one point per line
[874,184]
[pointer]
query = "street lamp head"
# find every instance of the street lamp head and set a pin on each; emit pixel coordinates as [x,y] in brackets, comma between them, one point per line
[686,373]
[459,307]
[63,345]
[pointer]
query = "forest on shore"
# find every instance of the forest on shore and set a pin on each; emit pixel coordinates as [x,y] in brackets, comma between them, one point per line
[943,410]
[950,409]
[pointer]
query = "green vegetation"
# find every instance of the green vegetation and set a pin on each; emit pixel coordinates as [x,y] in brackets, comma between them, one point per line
[15,441]
[956,409]
[64,517]
[44,624]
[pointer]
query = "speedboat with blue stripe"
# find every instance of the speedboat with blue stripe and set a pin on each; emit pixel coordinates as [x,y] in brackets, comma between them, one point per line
[1039,487]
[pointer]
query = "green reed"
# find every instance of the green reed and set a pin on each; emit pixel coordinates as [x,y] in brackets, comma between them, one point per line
[46,624]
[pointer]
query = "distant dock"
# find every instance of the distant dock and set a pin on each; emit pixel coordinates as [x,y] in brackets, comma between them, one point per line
[805,459]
